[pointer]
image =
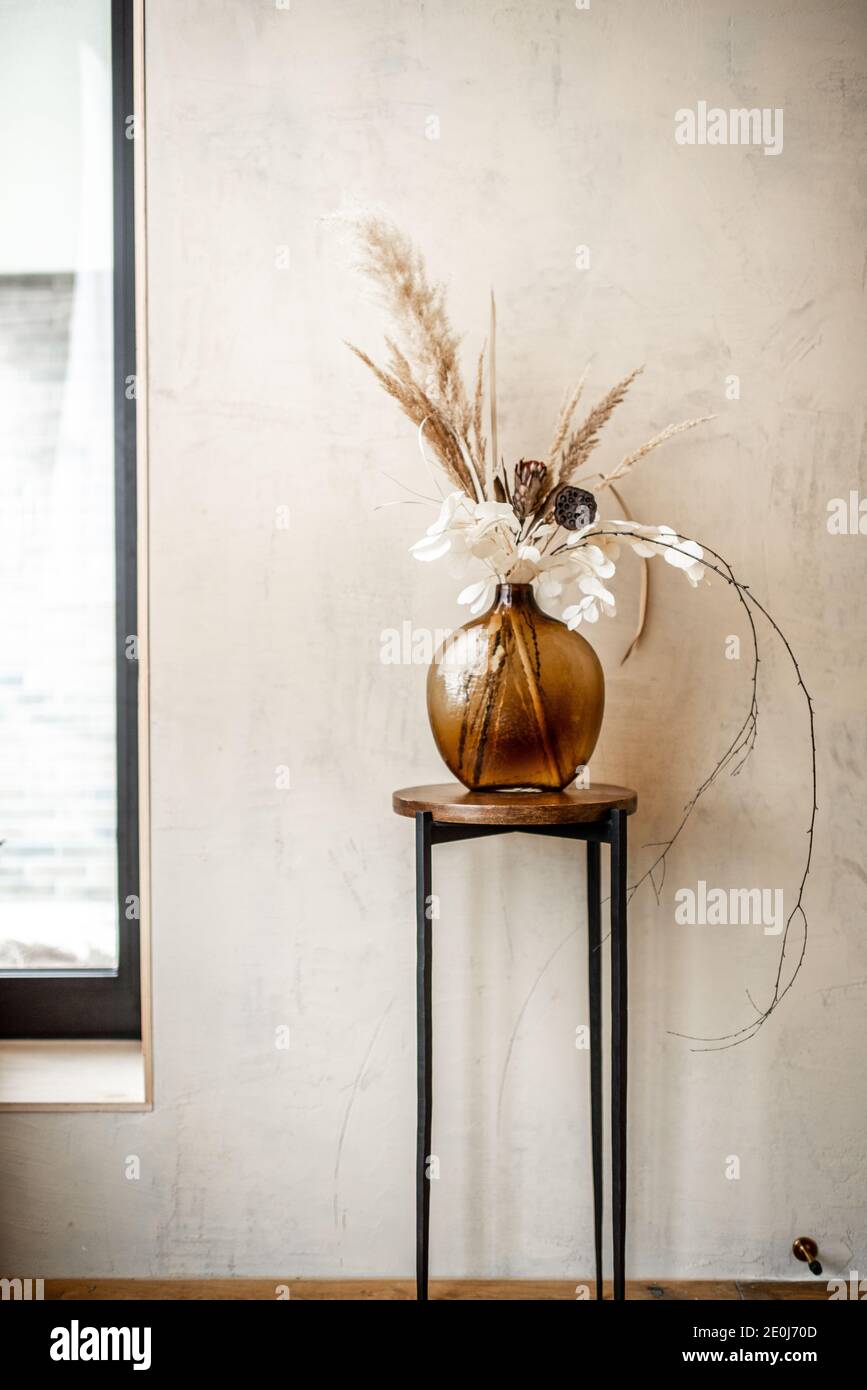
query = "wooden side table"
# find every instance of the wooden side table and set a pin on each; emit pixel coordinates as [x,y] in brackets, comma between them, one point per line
[598,815]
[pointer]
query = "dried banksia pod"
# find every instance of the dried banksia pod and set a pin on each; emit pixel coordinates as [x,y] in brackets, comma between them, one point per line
[574,508]
[529,486]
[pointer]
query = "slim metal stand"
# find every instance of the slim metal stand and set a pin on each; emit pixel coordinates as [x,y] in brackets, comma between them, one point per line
[610,830]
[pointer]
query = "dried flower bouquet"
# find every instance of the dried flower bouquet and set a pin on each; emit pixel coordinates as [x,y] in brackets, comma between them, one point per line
[541,525]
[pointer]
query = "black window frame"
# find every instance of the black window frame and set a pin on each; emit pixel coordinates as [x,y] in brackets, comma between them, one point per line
[78,1004]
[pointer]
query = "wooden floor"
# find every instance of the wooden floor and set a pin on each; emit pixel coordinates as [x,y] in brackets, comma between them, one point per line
[403,1289]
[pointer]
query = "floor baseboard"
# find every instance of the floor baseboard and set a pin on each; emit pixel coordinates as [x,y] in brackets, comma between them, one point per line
[317,1290]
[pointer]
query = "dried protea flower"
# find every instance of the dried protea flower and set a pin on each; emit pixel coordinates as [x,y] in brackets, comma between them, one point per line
[574,508]
[529,486]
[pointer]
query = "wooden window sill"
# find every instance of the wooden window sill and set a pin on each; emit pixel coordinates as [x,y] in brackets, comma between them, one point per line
[98,1075]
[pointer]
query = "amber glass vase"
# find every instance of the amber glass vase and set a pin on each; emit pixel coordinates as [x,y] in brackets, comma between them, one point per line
[515,699]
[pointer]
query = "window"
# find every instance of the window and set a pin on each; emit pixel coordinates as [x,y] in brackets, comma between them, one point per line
[69,870]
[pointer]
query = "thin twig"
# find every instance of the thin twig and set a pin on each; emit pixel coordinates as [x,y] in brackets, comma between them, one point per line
[743,744]
[492,392]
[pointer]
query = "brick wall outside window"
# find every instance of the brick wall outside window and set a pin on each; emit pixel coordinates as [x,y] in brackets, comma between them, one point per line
[57,697]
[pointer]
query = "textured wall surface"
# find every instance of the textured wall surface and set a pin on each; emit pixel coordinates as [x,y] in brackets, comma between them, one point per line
[278,906]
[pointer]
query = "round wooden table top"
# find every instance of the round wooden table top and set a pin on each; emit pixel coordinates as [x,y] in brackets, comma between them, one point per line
[452,804]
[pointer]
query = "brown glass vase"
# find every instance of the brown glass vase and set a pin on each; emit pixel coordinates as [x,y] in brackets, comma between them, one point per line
[514,698]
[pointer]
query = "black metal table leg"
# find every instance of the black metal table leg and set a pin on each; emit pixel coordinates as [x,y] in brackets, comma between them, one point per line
[424,961]
[594,972]
[618,1047]
[609,827]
